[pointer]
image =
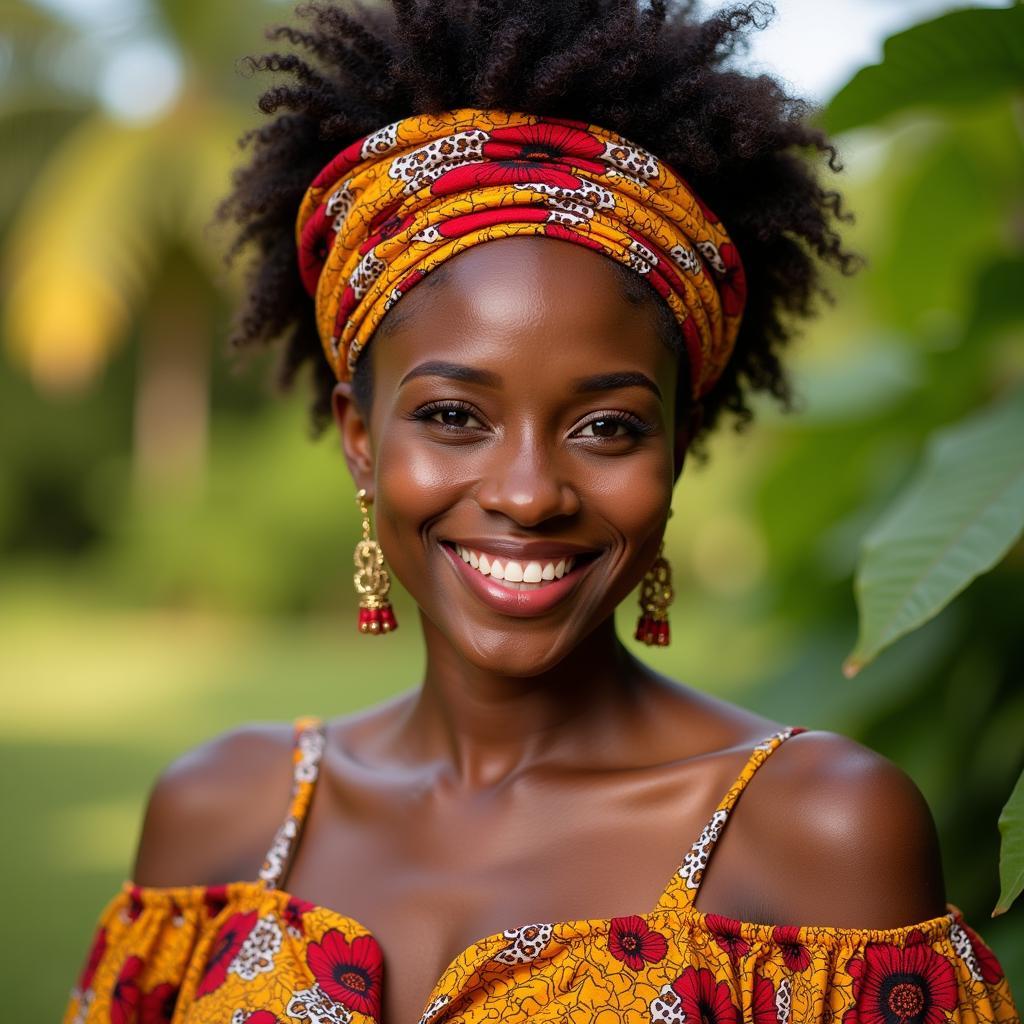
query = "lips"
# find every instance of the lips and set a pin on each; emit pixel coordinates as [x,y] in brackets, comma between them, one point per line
[520,586]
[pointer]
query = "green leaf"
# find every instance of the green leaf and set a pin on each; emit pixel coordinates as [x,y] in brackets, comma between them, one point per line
[1011,852]
[998,299]
[955,521]
[960,57]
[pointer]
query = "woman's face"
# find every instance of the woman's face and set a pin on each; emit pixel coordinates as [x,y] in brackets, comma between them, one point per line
[522,412]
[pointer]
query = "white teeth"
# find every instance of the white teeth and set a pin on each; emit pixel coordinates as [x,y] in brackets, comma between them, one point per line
[513,572]
[517,575]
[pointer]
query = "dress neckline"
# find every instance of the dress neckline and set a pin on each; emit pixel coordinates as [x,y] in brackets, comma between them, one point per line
[477,953]
[676,903]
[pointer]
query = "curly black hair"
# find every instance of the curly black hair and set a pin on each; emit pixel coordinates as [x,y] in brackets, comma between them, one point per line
[650,70]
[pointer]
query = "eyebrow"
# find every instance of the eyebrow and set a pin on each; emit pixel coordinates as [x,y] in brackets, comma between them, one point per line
[453,371]
[611,381]
[583,385]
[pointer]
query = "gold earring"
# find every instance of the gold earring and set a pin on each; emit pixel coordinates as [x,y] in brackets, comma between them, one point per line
[371,579]
[655,596]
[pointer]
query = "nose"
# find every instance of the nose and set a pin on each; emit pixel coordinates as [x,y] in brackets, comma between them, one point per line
[522,481]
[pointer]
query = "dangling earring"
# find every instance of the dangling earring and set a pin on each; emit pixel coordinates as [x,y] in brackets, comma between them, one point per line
[655,597]
[371,579]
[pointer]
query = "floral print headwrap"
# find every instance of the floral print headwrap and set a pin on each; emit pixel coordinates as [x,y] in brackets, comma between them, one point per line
[395,205]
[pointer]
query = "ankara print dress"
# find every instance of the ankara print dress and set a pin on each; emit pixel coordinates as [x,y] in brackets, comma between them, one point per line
[250,953]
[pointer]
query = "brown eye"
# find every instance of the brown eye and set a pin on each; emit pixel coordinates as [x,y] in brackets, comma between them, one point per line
[603,427]
[453,417]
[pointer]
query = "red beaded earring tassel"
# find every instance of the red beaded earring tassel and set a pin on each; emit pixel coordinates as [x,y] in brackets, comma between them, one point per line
[655,596]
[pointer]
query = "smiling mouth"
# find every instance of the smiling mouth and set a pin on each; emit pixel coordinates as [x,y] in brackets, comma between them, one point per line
[519,574]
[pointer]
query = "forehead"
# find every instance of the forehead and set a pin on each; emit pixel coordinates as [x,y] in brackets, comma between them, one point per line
[539,307]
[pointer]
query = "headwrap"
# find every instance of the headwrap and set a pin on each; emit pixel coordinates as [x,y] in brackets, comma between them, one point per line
[398,203]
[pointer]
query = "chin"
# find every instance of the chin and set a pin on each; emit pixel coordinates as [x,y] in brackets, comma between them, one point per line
[521,664]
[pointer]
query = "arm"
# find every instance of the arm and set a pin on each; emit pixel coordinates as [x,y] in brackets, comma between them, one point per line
[213,812]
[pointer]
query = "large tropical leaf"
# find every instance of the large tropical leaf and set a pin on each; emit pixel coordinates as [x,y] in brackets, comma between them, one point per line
[1011,853]
[960,57]
[954,522]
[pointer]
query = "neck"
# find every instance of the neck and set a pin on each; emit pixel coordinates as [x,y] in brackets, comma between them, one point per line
[484,726]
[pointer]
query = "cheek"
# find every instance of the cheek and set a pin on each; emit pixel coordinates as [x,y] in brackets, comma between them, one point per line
[414,486]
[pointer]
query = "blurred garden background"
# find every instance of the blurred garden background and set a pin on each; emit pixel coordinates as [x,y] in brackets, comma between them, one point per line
[176,551]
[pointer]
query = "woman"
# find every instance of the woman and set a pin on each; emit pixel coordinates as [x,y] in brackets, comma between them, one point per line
[526,833]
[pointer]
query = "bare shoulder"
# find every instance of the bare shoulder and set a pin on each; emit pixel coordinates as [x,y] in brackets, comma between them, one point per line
[213,812]
[845,836]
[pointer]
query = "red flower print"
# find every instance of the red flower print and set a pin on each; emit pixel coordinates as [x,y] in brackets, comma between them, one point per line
[794,953]
[763,1003]
[567,234]
[726,933]
[228,941]
[404,285]
[92,961]
[388,213]
[386,229]
[547,143]
[704,999]
[158,1004]
[293,911]
[124,1000]
[912,985]
[732,285]
[990,967]
[350,973]
[134,903]
[215,899]
[505,172]
[455,227]
[632,941]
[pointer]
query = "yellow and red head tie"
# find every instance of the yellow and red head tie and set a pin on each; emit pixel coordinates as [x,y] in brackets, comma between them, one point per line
[395,205]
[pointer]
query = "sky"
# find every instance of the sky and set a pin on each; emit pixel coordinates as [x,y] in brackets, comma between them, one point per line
[817,45]
[812,45]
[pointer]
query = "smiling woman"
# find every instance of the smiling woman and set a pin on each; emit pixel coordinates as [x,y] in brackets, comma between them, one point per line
[472,218]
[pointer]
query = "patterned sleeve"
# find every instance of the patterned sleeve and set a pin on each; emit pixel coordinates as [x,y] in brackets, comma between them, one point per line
[940,972]
[140,952]
[935,976]
[983,988]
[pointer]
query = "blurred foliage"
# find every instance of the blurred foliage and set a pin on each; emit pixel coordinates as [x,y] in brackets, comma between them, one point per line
[965,509]
[962,57]
[172,568]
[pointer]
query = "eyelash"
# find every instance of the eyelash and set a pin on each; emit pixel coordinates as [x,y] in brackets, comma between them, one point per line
[636,426]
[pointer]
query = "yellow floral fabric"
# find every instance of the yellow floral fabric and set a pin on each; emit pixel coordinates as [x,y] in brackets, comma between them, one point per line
[395,205]
[250,953]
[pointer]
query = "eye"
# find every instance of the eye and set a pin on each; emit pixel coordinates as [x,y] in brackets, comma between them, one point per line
[454,416]
[606,426]
[614,426]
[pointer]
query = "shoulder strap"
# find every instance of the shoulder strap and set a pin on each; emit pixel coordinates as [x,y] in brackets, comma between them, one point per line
[682,890]
[307,749]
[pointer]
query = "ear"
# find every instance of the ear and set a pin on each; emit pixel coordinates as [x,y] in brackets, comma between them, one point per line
[686,431]
[355,436]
